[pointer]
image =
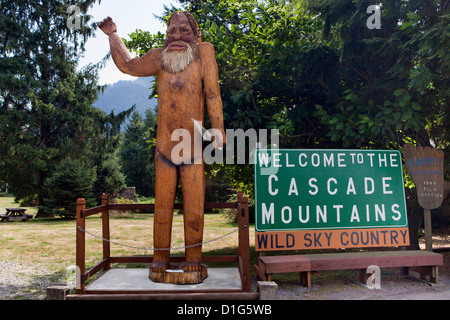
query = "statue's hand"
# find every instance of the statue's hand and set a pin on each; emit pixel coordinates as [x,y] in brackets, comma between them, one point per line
[108,26]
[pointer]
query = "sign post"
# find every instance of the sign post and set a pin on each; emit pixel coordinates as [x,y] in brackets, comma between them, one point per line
[320,199]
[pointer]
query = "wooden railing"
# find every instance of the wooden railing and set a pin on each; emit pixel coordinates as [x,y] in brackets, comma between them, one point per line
[242,259]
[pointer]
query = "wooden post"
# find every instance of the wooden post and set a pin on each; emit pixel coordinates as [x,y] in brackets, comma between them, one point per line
[244,241]
[105,231]
[428,229]
[80,246]
[305,279]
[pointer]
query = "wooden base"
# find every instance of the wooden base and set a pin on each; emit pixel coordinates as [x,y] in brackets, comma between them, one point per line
[175,275]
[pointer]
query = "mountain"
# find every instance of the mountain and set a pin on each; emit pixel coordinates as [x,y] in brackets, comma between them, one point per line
[123,94]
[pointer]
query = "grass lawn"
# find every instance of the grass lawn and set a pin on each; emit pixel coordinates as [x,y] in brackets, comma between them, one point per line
[50,242]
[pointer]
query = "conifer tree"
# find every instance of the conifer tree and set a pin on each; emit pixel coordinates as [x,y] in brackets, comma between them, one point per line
[46,113]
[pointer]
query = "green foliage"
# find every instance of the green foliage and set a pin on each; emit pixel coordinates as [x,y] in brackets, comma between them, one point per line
[46,113]
[313,70]
[122,213]
[109,177]
[386,91]
[394,80]
[142,42]
[136,158]
[69,181]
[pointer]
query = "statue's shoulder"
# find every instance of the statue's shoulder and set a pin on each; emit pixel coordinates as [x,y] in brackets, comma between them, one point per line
[157,51]
[205,47]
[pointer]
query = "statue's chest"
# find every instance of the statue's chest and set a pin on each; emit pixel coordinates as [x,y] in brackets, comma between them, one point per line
[178,82]
[188,80]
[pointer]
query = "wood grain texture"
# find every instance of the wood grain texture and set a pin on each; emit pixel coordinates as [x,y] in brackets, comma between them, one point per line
[179,277]
[182,93]
[426,166]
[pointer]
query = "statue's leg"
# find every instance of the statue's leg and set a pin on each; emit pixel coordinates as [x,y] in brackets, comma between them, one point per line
[165,189]
[193,187]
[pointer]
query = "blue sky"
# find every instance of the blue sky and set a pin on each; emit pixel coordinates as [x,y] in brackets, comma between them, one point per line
[128,15]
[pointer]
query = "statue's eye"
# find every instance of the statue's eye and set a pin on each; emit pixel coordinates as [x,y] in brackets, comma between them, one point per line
[185,31]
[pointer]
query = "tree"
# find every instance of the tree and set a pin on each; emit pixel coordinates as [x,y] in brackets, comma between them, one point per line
[109,177]
[46,113]
[136,159]
[315,71]
[70,180]
[394,80]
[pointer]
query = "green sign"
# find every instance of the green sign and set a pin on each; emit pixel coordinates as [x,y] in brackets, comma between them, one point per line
[328,189]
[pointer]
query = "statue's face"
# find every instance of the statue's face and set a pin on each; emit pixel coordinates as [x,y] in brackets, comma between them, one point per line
[179,34]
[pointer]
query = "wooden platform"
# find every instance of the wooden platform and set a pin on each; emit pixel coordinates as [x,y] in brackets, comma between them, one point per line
[240,260]
[424,262]
[134,284]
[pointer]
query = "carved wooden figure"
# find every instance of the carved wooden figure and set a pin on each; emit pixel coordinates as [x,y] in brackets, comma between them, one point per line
[187,75]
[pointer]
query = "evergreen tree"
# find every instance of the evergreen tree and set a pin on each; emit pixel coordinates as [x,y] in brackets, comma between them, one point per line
[109,177]
[70,180]
[46,113]
[136,159]
[151,124]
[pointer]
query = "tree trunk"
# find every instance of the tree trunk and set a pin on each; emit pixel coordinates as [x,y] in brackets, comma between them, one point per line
[42,213]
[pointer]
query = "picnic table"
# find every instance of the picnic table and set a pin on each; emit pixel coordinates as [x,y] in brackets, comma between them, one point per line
[15,214]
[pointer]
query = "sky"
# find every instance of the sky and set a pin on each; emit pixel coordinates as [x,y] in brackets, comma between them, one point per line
[128,15]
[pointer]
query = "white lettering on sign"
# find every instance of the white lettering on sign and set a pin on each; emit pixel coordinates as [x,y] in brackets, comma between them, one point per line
[366,186]
[271,191]
[329,189]
[271,213]
[268,215]
[327,160]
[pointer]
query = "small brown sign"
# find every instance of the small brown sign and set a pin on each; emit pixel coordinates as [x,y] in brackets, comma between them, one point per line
[426,166]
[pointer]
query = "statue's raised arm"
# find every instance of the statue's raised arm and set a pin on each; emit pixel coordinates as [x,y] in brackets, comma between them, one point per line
[145,66]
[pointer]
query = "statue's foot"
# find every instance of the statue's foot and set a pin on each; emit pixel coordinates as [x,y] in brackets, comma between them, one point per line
[159,266]
[192,266]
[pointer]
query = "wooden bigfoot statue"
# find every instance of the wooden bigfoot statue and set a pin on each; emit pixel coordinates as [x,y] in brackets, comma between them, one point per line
[187,73]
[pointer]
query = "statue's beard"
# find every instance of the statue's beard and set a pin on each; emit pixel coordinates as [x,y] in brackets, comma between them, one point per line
[175,62]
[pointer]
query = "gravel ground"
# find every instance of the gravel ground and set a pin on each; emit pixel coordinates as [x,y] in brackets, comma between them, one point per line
[345,285]
[19,281]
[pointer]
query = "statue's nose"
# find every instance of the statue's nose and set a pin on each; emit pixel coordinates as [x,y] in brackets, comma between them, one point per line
[177,35]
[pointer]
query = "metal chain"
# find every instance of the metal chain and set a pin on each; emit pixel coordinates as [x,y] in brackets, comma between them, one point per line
[159,249]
